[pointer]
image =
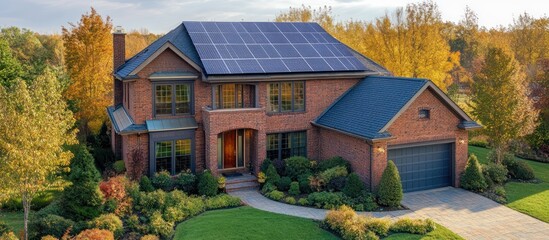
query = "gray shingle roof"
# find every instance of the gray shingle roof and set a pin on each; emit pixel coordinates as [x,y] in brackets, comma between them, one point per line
[178,37]
[366,108]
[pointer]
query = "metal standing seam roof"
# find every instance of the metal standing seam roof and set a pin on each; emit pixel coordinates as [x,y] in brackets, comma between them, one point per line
[122,122]
[180,39]
[370,105]
[173,124]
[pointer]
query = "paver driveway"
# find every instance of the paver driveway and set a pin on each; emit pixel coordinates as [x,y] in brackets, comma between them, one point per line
[473,216]
[467,214]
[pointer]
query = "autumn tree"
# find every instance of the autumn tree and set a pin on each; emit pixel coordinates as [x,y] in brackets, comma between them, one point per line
[34,126]
[530,39]
[500,101]
[10,69]
[137,40]
[88,56]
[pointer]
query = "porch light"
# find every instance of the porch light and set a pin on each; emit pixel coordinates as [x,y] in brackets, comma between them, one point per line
[461,141]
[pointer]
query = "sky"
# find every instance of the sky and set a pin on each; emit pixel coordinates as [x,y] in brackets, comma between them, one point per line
[160,16]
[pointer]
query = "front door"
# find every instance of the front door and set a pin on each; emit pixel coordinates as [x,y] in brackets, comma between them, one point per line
[229,149]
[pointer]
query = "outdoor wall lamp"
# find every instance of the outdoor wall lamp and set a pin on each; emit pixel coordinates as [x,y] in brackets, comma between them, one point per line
[380,149]
[461,141]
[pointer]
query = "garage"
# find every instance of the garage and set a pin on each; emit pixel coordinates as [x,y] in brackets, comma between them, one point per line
[423,167]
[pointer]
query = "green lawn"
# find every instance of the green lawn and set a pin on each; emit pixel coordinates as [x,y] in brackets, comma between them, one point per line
[249,223]
[528,198]
[13,219]
[439,233]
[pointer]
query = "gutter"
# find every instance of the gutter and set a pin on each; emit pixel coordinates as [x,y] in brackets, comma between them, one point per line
[368,140]
[301,76]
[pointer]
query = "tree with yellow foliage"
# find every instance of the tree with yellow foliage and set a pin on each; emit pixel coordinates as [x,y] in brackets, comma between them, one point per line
[34,125]
[88,57]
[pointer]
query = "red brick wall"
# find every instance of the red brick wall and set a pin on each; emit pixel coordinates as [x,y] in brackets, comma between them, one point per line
[132,142]
[352,149]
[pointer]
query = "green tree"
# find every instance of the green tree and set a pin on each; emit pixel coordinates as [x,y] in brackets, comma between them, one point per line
[82,200]
[10,69]
[34,125]
[88,56]
[390,188]
[500,101]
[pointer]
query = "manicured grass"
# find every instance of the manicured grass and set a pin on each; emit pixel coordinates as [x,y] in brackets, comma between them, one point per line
[528,198]
[249,223]
[13,219]
[439,233]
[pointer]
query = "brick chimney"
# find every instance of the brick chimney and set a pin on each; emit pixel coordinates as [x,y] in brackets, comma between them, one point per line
[119,57]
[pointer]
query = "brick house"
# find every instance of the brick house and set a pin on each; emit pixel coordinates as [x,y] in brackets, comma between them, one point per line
[225,96]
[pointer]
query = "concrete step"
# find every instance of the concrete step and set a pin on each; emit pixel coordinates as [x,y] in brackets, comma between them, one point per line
[241,185]
[241,179]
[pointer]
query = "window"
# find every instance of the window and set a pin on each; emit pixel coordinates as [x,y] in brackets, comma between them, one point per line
[424,113]
[285,145]
[172,99]
[286,97]
[233,96]
[173,156]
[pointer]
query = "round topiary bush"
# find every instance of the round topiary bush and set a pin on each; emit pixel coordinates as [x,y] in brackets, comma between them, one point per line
[472,178]
[390,188]
[163,180]
[495,173]
[207,184]
[296,166]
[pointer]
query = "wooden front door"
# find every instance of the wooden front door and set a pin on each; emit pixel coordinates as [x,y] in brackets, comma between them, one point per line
[229,149]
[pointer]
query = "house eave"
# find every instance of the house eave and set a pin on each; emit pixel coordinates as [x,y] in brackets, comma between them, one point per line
[276,77]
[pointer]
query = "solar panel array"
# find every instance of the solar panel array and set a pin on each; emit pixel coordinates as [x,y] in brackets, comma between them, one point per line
[266,47]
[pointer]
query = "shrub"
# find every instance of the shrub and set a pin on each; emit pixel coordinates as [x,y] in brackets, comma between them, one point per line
[48,224]
[222,201]
[337,183]
[353,186]
[303,180]
[494,173]
[478,143]
[138,163]
[186,182]
[316,183]
[414,226]
[331,173]
[145,184]
[150,202]
[379,226]
[4,228]
[347,224]
[163,180]
[261,177]
[95,234]
[150,237]
[268,187]
[327,200]
[173,214]
[518,169]
[82,200]
[265,164]
[284,183]
[296,166]
[365,201]
[192,206]
[158,226]
[8,236]
[303,202]
[294,189]
[472,178]
[333,162]
[290,200]
[114,188]
[275,195]
[54,208]
[390,187]
[221,182]
[119,166]
[109,222]
[207,184]
[272,175]
[500,191]
[280,166]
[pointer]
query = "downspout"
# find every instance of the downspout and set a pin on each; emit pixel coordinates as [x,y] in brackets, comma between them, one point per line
[371,172]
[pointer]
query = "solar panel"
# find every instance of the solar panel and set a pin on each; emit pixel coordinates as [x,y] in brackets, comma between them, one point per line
[266,47]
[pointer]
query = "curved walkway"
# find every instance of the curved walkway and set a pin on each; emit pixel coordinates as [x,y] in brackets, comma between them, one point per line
[467,214]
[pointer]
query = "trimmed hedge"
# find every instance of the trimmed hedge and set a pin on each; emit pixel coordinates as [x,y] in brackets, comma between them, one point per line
[163,180]
[414,226]
[390,188]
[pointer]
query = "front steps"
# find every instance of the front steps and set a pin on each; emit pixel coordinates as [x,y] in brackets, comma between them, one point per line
[244,182]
